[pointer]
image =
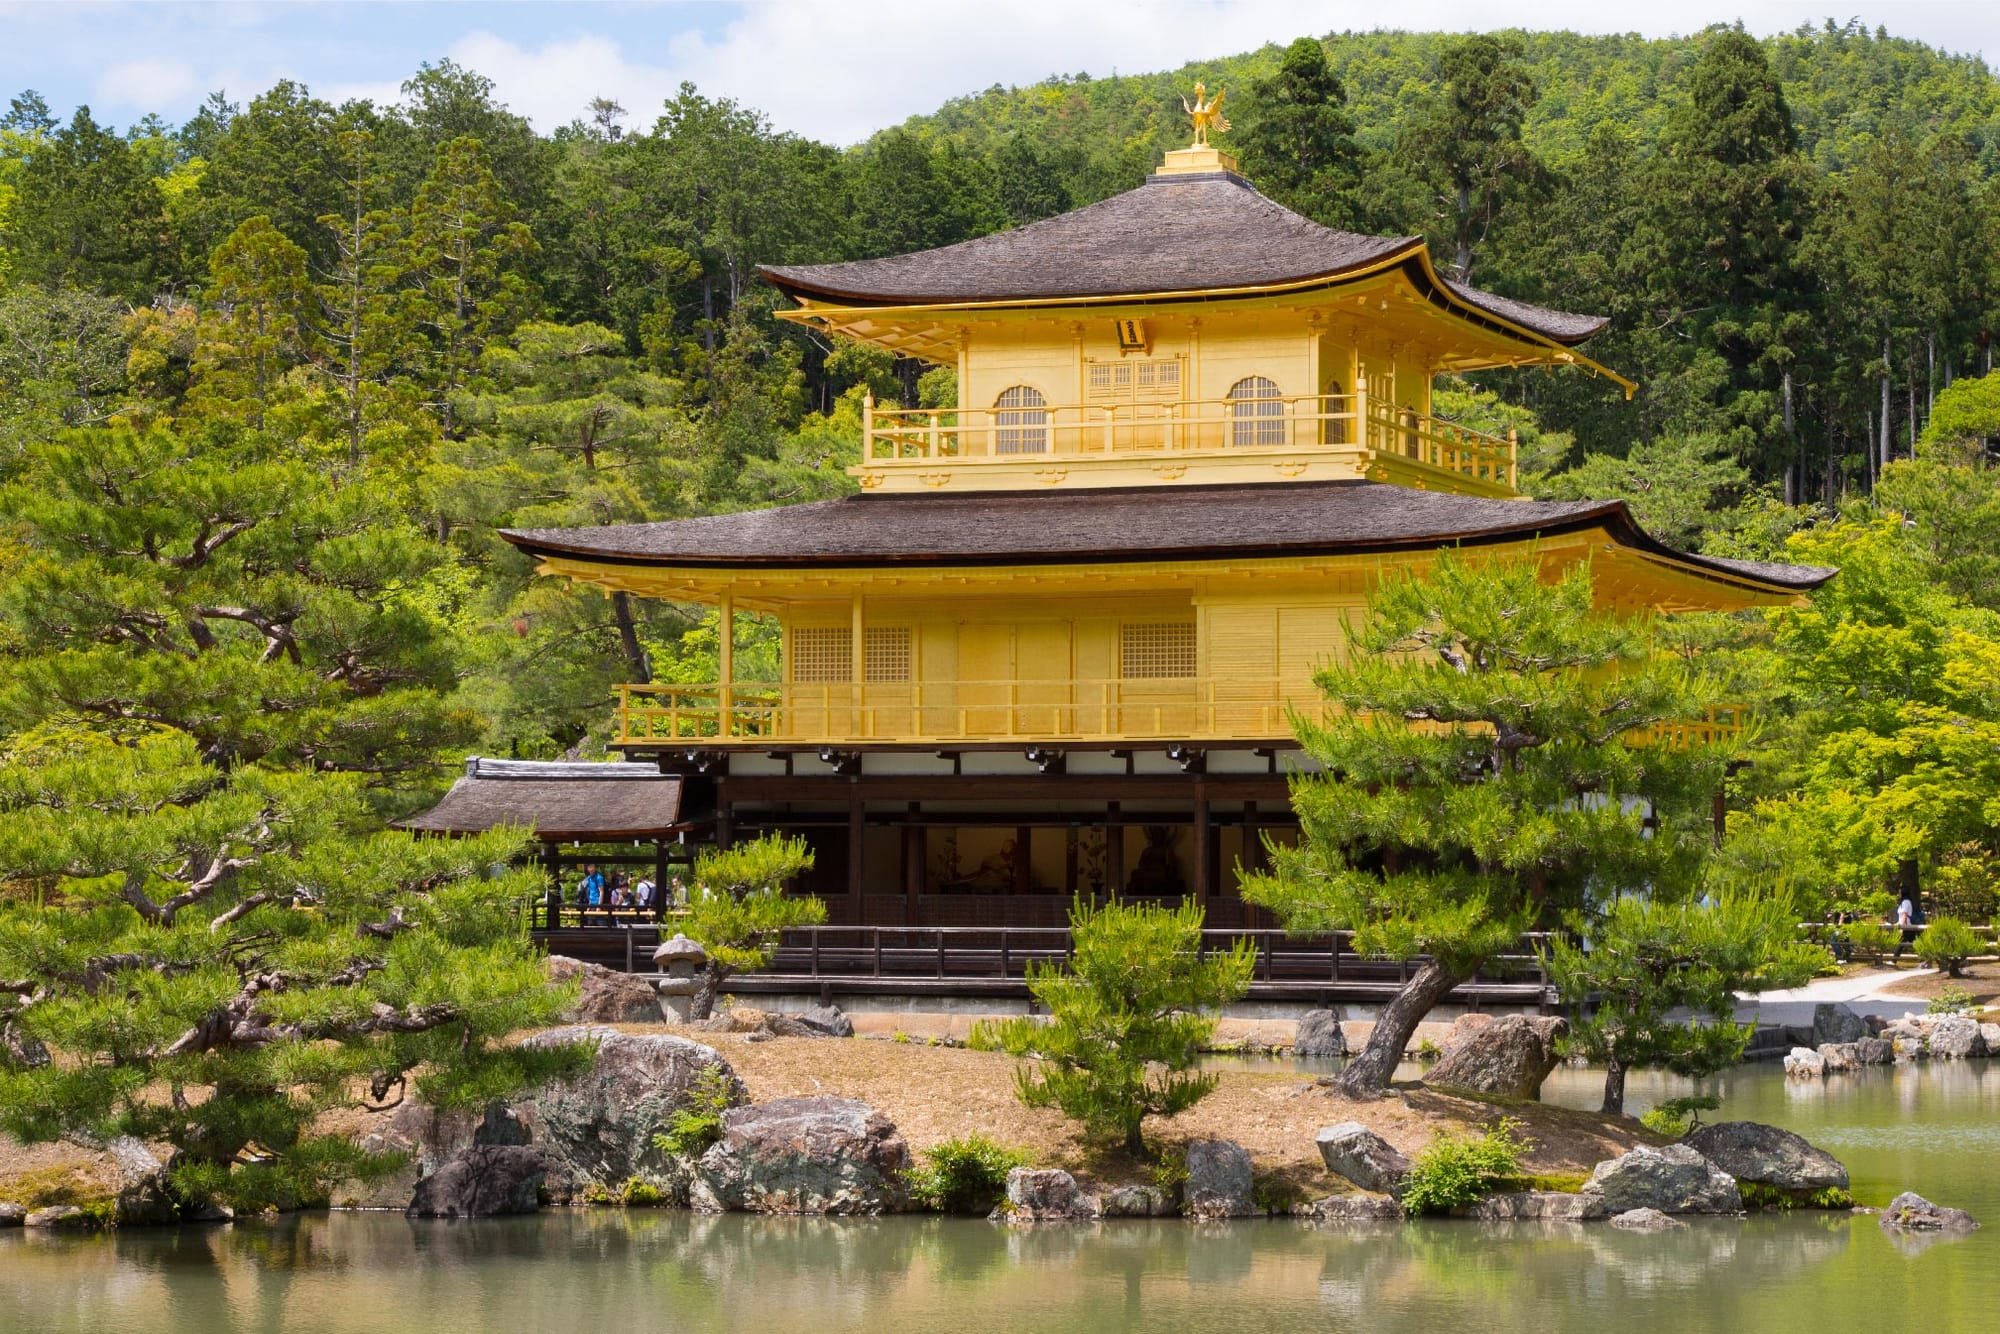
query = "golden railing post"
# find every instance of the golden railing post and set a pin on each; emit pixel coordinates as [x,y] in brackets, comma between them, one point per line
[1361,413]
[868,425]
[1513,458]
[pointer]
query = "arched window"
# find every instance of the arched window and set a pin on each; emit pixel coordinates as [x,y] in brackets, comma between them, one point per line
[1023,421]
[1256,413]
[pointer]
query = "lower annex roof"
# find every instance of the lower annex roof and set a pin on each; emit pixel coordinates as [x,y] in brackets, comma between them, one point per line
[1116,525]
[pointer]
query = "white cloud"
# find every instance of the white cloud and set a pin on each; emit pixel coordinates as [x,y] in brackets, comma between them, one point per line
[147,85]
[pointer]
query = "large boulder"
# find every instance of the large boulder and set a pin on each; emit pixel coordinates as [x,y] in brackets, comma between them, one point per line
[425,1138]
[1855,1054]
[1545,1205]
[1319,1036]
[1765,1154]
[1352,1150]
[1956,1037]
[804,1156]
[480,1183]
[1675,1179]
[11,1214]
[1836,1023]
[1804,1063]
[600,1126]
[1218,1180]
[1911,1212]
[608,996]
[1044,1195]
[1509,1056]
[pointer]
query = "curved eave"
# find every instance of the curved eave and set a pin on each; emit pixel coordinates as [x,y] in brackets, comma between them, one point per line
[1613,519]
[1412,252]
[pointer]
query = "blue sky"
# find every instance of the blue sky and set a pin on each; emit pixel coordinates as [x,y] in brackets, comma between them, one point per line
[835,69]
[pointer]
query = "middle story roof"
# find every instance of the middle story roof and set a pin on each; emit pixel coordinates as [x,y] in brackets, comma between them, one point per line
[1119,525]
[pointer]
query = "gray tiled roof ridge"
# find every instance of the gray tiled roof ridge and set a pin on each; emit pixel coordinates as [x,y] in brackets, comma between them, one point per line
[1189,233]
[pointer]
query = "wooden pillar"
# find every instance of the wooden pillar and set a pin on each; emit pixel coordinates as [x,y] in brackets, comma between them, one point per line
[916,859]
[1069,861]
[1114,850]
[1024,851]
[725,638]
[1253,841]
[661,885]
[723,824]
[1204,847]
[855,830]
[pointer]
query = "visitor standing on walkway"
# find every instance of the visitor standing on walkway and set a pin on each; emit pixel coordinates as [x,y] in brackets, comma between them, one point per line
[1906,922]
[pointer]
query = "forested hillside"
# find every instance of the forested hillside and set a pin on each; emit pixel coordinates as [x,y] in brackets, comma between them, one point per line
[270,379]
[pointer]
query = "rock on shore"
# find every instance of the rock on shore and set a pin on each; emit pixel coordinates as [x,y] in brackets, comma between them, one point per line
[1319,1036]
[804,1156]
[1509,1056]
[480,1183]
[1675,1179]
[1044,1195]
[1767,1155]
[1218,1180]
[1353,1151]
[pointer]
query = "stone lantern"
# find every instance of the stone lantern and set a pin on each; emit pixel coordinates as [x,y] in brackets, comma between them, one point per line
[680,960]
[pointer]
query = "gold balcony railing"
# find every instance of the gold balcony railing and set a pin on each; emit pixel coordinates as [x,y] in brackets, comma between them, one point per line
[1339,423]
[749,714]
[1176,709]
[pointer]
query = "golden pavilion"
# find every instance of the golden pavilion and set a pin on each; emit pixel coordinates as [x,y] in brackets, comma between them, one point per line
[1053,644]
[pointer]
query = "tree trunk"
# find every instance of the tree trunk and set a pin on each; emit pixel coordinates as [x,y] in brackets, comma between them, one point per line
[1884,424]
[1614,1088]
[628,639]
[1369,1073]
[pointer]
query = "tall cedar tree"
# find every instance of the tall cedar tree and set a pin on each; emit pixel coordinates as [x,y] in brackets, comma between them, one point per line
[256,324]
[1465,140]
[1298,140]
[1480,774]
[216,959]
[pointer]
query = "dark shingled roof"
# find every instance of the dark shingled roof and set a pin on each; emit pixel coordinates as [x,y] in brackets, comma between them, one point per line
[1204,232]
[562,801]
[950,528]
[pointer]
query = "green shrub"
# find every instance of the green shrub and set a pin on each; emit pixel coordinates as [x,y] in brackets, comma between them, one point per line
[1870,939]
[1675,1117]
[1455,1170]
[1427,1050]
[1950,1000]
[1947,943]
[638,1194]
[1967,884]
[964,1176]
[697,1122]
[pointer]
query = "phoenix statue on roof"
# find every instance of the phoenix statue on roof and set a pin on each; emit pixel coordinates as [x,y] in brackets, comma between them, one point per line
[1206,113]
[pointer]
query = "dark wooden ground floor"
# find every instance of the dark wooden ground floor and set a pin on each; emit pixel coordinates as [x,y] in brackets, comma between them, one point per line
[1002,850]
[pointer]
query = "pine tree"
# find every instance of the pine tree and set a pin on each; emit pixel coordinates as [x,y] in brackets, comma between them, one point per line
[215,959]
[737,909]
[1480,773]
[1662,978]
[1129,1014]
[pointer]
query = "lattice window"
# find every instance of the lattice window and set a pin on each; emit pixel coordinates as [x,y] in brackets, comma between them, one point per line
[822,653]
[885,650]
[1023,421]
[1157,650]
[1155,380]
[1256,412]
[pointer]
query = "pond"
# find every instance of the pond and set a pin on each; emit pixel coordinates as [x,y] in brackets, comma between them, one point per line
[1934,1129]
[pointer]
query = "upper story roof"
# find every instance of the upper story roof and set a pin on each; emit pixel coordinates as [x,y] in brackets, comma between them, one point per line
[1178,235]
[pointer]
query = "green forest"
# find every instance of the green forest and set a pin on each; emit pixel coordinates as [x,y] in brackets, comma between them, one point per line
[271,379]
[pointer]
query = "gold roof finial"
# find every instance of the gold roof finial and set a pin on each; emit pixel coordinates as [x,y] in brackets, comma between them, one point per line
[1206,113]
